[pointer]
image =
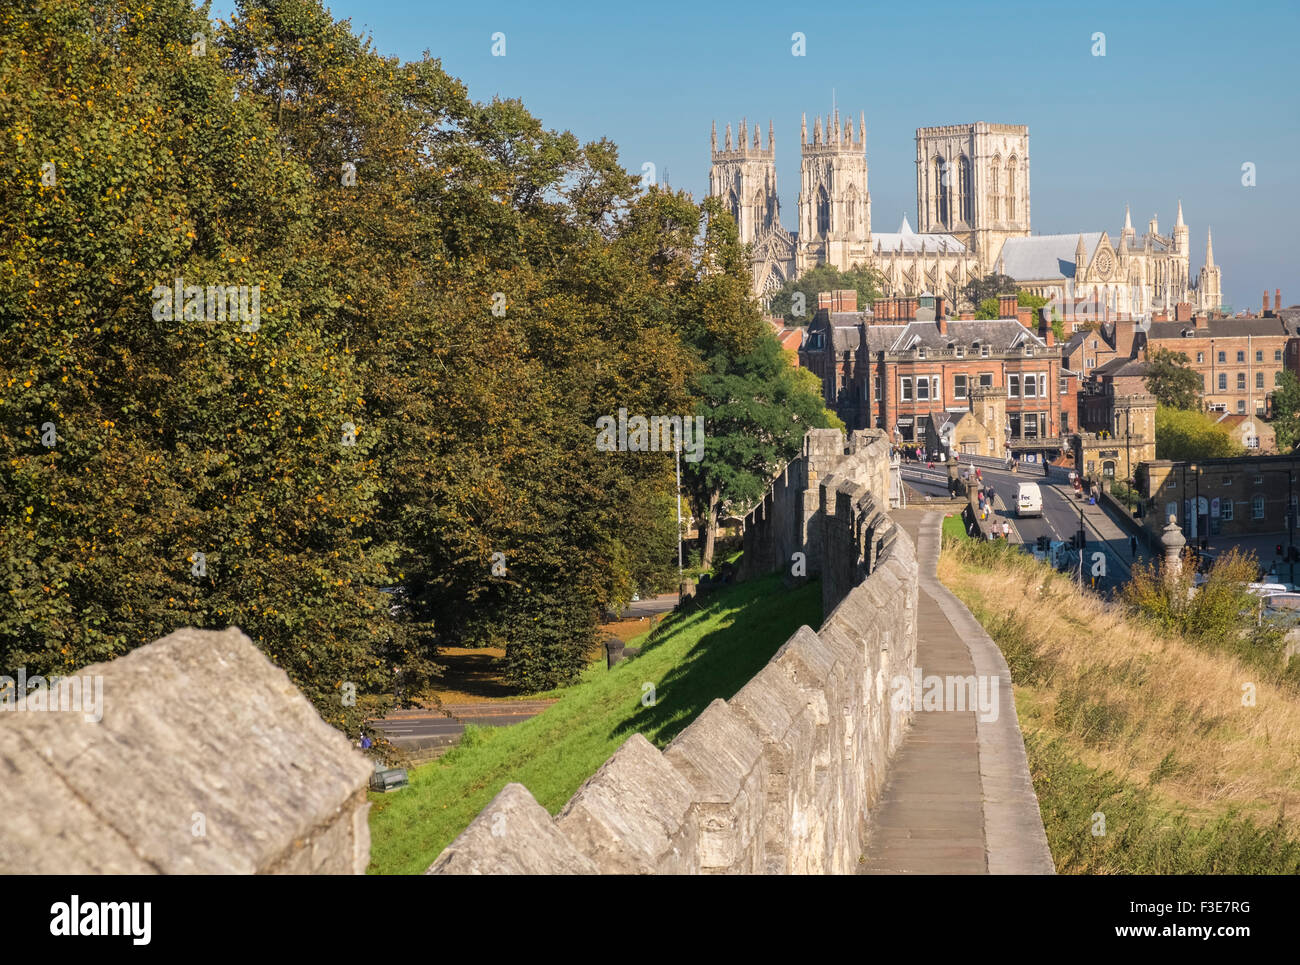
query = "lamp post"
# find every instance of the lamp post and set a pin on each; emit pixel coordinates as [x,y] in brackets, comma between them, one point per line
[1196,507]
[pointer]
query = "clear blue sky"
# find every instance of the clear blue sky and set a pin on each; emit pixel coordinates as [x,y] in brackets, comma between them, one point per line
[1186,93]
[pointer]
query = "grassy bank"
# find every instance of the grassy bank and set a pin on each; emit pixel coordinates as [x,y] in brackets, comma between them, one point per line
[1145,728]
[690,660]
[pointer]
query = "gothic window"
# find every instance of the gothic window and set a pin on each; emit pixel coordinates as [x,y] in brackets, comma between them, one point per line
[823,211]
[943,190]
[733,205]
[995,200]
[967,196]
[1011,188]
[851,209]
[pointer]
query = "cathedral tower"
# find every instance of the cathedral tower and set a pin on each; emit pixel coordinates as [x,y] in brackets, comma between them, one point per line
[744,176]
[834,204]
[1209,293]
[972,181]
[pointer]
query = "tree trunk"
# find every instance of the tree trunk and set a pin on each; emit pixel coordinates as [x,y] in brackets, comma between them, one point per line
[710,531]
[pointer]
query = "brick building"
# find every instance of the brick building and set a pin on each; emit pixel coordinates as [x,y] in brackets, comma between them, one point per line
[906,364]
[1239,359]
[1238,496]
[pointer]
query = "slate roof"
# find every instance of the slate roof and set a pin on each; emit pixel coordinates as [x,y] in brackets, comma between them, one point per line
[1120,367]
[1042,257]
[1000,334]
[1221,328]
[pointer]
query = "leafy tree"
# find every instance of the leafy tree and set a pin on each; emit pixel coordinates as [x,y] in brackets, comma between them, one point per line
[1184,434]
[1172,380]
[977,290]
[988,308]
[756,410]
[1286,411]
[867,282]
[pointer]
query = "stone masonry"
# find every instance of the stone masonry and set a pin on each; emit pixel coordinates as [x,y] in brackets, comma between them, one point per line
[207,760]
[780,778]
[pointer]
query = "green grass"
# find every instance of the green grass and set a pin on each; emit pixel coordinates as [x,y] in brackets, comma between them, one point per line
[1142,833]
[690,659]
[954,528]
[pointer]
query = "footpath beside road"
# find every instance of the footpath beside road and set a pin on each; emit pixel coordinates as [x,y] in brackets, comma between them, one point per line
[959,799]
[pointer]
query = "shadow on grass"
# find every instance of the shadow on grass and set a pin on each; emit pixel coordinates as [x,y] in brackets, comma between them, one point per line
[726,657]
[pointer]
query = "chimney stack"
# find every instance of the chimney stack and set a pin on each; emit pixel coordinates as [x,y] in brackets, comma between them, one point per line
[844,300]
[1277,301]
[1264,311]
[1007,305]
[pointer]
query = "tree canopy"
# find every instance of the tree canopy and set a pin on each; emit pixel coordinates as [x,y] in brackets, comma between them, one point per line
[1172,380]
[391,448]
[1286,411]
[1183,434]
[796,301]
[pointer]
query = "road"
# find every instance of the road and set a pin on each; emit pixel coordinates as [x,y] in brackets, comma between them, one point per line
[1060,519]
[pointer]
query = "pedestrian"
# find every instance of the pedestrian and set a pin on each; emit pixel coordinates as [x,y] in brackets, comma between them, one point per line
[979,475]
[929,465]
[1133,546]
[1006,530]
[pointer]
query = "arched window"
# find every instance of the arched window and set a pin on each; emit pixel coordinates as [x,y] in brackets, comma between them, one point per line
[943,190]
[851,209]
[966,194]
[1011,188]
[995,195]
[823,211]
[733,205]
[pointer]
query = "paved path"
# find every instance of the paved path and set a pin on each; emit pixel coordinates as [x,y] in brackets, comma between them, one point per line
[959,799]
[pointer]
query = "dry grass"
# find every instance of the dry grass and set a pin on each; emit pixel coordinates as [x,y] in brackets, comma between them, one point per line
[1162,715]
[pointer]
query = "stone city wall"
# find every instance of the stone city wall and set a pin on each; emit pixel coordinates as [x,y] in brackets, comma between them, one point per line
[207,760]
[778,779]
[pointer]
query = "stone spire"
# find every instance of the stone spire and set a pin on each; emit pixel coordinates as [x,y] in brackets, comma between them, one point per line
[1128,221]
[771,137]
[714,139]
[862,129]
[837,125]
[757,132]
[1080,258]
[1209,248]
[743,141]
[728,136]
[803,129]
[817,129]
[1179,222]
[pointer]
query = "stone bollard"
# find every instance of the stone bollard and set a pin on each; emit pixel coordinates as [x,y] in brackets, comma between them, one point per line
[685,591]
[1173,542]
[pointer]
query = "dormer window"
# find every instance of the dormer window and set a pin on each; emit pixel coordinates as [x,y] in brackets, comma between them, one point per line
[920,351]
[984,351]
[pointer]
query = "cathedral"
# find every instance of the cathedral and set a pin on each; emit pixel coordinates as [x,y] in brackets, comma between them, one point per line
[973,218]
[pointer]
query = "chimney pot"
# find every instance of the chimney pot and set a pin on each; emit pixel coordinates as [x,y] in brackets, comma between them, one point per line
[1277,300]
[1265,310]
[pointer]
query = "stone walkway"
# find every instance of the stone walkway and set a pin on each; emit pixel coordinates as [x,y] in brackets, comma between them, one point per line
[959,799]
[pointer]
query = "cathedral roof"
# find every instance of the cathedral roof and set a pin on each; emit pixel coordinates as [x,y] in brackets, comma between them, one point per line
[1043,257]
[911,242]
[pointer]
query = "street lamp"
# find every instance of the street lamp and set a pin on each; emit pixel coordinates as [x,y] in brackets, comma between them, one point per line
[1196,507]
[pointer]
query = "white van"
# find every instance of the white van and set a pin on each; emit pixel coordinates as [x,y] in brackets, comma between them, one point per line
[1029,500]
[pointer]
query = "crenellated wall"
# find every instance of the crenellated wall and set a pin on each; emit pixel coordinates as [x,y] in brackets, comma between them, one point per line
[779,778]
[788,518]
